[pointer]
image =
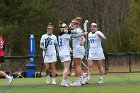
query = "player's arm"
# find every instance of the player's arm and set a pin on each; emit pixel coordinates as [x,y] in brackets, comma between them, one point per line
[83,40]
[69,31]
[79,35]
[42,46]
[101,35]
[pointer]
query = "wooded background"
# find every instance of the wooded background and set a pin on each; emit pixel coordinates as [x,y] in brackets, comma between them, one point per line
[119,20]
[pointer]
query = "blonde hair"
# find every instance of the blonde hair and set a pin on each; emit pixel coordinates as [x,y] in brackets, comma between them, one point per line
[77,20]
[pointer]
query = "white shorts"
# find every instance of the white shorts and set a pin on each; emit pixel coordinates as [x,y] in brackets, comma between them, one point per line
[65,58]
[79,52]
[96,56]
[50,58]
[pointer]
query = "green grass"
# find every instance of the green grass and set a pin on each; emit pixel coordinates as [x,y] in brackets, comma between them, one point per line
[114,83]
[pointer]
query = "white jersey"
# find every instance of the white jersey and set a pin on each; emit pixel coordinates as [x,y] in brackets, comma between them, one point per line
[78,50]
[64,48]
[77,41]
[50,45]
[95,42]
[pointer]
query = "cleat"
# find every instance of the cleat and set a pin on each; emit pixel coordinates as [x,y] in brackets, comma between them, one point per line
[53,82]
[77,82]
[68,82]
[100,81]
[64,83]
[48,80]
[82,80]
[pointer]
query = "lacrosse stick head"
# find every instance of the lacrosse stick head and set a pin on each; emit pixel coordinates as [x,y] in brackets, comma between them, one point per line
[85,25]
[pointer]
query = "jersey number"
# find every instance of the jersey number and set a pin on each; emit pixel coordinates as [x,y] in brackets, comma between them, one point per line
[60,42]
[50,42]
[91,40]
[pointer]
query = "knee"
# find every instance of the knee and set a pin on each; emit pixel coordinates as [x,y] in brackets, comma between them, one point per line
[66,69]
[100,67]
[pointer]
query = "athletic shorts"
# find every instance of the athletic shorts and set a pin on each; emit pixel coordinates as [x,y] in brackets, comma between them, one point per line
[50,58]
[65,58]
[96,56]
[79,52]
[1,59]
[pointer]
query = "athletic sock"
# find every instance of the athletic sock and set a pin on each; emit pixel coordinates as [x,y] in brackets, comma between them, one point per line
[101,77]
[53,79]
[88,77]
[8,77]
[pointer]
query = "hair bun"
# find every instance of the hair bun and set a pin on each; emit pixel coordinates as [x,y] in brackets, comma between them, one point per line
[78,18]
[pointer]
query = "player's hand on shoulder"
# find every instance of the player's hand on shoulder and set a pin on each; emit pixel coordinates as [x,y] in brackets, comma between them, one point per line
[85,33]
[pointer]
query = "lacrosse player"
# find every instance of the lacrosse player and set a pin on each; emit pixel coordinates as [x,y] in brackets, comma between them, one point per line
[78,51]
[64,54]
[49,45]
[95,51]
[10,79]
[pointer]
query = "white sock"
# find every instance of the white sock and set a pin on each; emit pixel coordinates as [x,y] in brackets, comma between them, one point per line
[53,79]
[102,77]
[63,80]
[88,77]
[47,76]
[8,77]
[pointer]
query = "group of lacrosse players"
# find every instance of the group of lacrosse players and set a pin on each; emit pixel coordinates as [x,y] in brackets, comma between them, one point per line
[51,45]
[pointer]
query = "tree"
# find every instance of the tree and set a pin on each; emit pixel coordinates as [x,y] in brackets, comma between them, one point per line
[133,26]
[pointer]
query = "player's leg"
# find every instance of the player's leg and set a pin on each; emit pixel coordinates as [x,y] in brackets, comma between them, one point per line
[53,72]
[47,68]
[90,66]
[65,81]
[66,70]
[10,79]
[78,74]
[77,66]
[101,71]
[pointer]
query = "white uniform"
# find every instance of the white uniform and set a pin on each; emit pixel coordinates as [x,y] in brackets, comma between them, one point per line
[95,50]
[64,49]
[78,50]
[50,54]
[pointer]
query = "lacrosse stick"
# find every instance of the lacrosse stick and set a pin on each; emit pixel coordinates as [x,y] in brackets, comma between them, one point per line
[85,29]
[85,66]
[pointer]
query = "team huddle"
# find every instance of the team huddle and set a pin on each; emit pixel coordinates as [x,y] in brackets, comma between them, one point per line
[76,35]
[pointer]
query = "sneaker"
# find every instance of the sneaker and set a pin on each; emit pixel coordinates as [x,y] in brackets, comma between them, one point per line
[77,82]
[10,81]
[68,82]
[48,79]
[87,80]
[100,81]
[64,83]
[82,80]
[53,82]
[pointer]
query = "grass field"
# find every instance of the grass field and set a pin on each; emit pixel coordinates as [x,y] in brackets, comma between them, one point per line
[114,83]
